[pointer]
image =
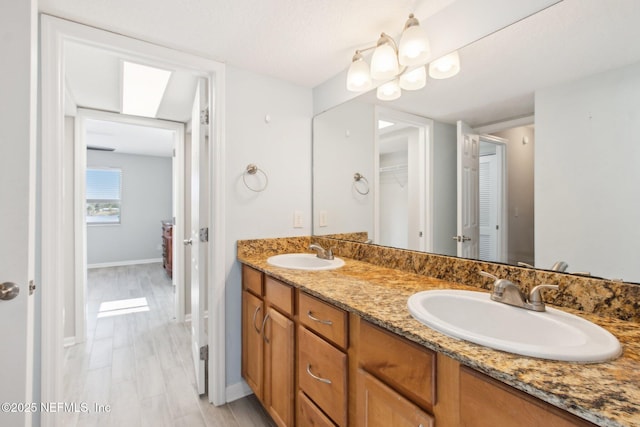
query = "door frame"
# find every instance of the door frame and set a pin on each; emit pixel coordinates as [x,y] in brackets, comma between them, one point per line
[503,194]
[80,230]
[54,33]
[425,148]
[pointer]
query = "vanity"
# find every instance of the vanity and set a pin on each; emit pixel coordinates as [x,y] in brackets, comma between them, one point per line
[339,348]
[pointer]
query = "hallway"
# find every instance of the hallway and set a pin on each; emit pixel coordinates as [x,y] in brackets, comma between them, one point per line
[137,360]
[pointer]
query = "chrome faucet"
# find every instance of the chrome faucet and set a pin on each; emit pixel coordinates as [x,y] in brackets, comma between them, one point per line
[322,252]
[560,266]
[507,292]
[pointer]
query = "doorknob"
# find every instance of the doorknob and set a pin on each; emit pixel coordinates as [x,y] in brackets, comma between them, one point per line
[8,290]
[188,242]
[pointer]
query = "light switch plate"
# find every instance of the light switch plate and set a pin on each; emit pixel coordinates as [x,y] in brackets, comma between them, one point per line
[297,219]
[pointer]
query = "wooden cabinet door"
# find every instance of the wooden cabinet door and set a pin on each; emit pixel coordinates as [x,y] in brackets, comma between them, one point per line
[278,381]
[252,348]
[380,406]
[485,402]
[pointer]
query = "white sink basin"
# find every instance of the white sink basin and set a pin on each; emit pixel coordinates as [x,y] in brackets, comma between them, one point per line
[304,262]
[552,334]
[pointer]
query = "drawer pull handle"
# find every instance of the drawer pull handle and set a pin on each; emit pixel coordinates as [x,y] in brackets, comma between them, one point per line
[315,319]
[255,313]
[264,333]
[322,380]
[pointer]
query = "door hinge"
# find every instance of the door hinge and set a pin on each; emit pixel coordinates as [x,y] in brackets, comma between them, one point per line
[204,116]
[204,234]
[204,353]
[32,287]
[174,152]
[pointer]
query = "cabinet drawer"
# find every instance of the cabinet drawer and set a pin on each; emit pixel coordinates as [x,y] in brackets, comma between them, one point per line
[403,365]
[322,375]
[309,415]
[252,280]
[380,406]
[279,295]
[328,321]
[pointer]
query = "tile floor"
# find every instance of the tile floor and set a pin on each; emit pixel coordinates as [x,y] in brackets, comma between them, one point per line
[137,360]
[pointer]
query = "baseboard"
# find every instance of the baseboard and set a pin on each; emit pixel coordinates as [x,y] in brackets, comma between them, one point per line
[238,391]
[187,317]
[69,341]
[121,263]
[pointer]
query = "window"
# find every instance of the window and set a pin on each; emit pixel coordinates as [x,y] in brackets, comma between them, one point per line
[104,188]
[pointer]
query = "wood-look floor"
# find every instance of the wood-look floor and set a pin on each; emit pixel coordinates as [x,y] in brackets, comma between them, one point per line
[139,363]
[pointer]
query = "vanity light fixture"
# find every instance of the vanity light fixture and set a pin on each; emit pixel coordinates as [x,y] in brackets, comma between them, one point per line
[384,61]
[445,67]
[358,77]
[404,64]
[389,91]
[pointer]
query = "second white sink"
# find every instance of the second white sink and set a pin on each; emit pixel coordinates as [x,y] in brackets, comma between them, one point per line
[552,334]
[304,261]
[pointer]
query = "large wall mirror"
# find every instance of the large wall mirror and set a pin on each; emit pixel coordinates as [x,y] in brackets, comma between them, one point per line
[551,104]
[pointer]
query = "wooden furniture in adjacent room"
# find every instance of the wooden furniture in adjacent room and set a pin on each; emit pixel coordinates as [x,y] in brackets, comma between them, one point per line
[167,247]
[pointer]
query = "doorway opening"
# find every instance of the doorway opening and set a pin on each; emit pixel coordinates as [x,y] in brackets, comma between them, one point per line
[492,199]
[403,212]
[57,37]
[148,156]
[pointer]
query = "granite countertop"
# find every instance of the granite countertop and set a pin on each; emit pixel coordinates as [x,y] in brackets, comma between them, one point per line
[607,394]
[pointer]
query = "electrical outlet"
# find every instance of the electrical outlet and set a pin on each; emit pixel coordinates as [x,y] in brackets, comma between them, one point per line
[297,219]
[323,219]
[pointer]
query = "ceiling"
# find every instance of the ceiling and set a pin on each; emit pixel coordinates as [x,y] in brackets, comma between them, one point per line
[127,138]
[306,42]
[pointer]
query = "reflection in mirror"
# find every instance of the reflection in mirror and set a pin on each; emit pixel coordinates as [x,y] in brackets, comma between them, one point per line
[553,105]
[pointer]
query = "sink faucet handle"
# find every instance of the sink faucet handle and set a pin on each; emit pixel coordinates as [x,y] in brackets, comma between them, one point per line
[488,275]
[535,298]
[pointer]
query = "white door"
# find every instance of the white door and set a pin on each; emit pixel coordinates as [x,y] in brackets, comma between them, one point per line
[17,211]
[468,201]
[489,226]
[199,244]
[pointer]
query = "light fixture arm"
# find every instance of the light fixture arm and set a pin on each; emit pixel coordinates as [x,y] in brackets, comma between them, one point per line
[386,38]
[411,22]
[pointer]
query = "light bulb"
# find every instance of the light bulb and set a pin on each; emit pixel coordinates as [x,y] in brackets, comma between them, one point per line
[384,62]
[414,46]
[389,91]
[445,67]
[414,80]
[358,77]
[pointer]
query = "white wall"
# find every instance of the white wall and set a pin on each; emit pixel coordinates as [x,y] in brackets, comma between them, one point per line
[444,188]
[282,148]
[520,164]
[343,145]
[146,201]
[587,174]
[394,197]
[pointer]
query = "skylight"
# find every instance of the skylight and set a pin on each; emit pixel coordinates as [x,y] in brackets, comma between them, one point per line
[384,124]
[142,89]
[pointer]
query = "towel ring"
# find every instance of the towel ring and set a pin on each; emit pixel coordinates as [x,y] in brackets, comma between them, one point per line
[358,177]
[252,169]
